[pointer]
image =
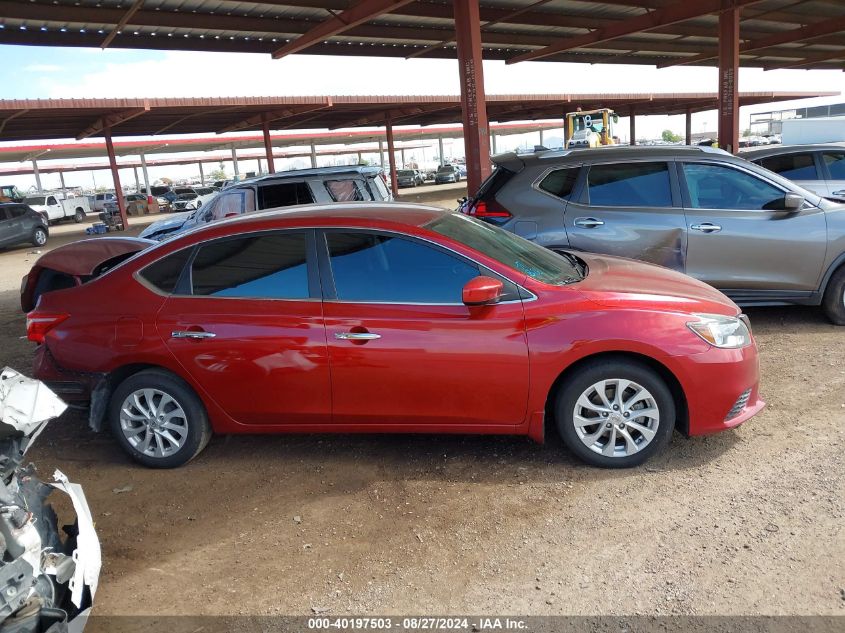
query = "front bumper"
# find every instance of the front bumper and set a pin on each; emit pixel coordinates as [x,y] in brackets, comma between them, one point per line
[714,382]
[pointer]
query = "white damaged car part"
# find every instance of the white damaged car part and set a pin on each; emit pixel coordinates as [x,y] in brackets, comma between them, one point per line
[47,579]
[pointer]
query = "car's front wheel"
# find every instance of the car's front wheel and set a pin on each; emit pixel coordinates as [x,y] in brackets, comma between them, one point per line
[834,297]
[158,419]
[39,237]
[615,413]
[79,216]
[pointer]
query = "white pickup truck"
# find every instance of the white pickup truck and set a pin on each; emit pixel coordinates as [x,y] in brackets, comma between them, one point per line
[55,206]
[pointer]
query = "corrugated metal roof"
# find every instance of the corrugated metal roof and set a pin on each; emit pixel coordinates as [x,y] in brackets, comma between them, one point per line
[420,28]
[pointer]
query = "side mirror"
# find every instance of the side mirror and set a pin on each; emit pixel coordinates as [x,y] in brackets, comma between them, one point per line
[793,201]
[199,203]
[482,291]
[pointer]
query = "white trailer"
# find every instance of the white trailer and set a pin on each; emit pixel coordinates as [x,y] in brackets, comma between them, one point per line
[813,131]
[57,206]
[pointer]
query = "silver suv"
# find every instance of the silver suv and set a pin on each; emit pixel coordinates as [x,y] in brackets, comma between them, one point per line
[756,236]
[819,168]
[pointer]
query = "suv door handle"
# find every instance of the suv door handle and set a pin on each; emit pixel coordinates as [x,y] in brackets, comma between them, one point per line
[192,334]
[706,227]
[356,336]
[588,223]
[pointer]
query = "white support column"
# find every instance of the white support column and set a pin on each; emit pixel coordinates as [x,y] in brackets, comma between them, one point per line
[541,138]
[62,179]
[402,155]
[137,182]
[260,167]
[493,143]
[440,143]
[381,153]
[313,155]
[146,175]
[37,175]
[235,163]
[202,174]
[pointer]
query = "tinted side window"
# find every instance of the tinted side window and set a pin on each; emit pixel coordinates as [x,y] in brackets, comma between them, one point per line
[164,274]
[792,166]
[269,266]
[719,187]
[284,195]
[17,211]
[630,185]
[381,268]
[835,162]
[560,182]
[344,190]
[51,200]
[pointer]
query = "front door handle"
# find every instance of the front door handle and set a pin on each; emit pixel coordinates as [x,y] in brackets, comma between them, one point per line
[356,336]
[706,227]
[197,335]
[588,223]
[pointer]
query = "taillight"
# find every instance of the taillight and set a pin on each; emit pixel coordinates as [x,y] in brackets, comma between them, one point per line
[489,210]
[39,323]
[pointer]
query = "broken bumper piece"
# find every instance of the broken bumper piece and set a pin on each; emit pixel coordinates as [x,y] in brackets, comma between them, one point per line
[47,579]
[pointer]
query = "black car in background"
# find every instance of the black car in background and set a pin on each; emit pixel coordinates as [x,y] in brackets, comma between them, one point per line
[20,224]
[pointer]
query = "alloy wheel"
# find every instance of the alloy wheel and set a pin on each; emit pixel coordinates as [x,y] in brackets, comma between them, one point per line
[616,417]
[153,422]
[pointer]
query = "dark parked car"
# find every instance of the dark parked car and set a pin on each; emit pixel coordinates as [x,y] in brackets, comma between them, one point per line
[19,224]
[758,237]
[396,319]
[819,168]
[447,173]
[409,177]
[282,189]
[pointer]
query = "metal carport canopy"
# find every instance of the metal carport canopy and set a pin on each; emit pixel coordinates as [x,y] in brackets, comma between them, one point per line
[40,119]
[774,33]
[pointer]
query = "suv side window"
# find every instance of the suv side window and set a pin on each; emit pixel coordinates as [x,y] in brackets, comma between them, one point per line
[630,185]
[284,195]
[792,166]
[835,162]
[560,182]
[51,200]
[369,267]
[234,202]
[719,187]
[265,266]
[377,183]
[17,211]
[344,190]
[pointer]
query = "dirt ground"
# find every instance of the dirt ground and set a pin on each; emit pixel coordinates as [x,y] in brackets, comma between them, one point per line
[746,522]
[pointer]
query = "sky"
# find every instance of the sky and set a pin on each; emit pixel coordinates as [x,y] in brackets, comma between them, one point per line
[49,72]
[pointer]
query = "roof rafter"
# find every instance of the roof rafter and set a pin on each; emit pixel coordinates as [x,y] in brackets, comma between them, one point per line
[275,115]
[362,11]
[809,32]
[132,10]
[809,60]
[110,120]
[396,115]
[670,14]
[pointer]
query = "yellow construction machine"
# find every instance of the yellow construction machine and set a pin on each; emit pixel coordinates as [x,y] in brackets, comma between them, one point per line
[590,128]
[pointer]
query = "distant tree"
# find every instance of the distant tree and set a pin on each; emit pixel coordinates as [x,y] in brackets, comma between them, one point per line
[218,174]
[670,137]
[166,181]
[746,133]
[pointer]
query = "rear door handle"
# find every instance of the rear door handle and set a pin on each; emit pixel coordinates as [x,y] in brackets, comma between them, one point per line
[706,227]
[356,336]
[588,223]
[191,334]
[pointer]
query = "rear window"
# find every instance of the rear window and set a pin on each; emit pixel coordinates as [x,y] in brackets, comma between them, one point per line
[377,185]
[164,274]
[630,185]
[792,166]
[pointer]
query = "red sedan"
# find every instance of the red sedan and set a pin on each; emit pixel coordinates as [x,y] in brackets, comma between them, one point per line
[400,318]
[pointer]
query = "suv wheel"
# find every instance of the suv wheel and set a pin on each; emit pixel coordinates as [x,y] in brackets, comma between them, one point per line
[39,237]
[833,303]
[615,413]
[158,420]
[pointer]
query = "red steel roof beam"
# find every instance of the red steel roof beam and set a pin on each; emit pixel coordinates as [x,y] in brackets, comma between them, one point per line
[131,11]
[361,12]
[110,120]
[831,26]
[670,14]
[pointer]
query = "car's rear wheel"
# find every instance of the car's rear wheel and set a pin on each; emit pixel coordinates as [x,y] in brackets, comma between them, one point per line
[158,419]
[833,303]
[615,413]
[39,237]
[79,216]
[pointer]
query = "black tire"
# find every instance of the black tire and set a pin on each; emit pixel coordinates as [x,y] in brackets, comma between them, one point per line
[198,429]
[39,236]
[611,369]
[833,303]
[79,216]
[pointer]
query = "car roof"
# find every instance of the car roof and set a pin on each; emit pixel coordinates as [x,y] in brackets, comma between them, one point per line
[313,171]
[775,150]
[609,152]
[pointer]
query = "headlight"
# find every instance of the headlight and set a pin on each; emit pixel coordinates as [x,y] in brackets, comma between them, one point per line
[162,201]
[721,331]
[191,206]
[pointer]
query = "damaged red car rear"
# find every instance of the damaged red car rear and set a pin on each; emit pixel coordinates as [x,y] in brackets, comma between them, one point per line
[368,318]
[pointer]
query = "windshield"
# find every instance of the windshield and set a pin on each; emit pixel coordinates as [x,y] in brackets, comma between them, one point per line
[38,200]
[404,172]
[508,249]
[446,169]
[186,196]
